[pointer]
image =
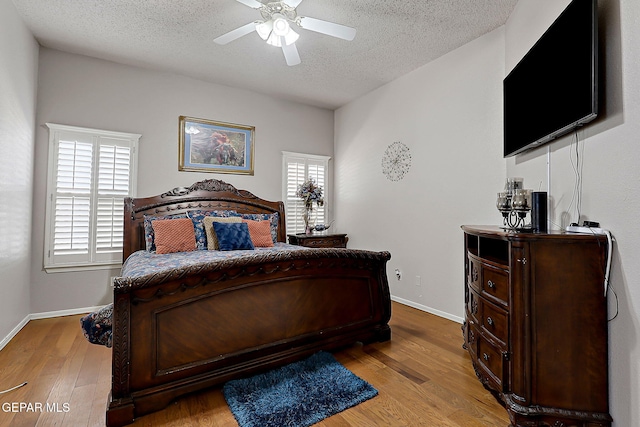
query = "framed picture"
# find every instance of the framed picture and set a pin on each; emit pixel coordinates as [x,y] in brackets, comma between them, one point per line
[209,146]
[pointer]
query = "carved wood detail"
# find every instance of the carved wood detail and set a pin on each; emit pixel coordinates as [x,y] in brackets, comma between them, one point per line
[120,349]
[214,185]
[537,411]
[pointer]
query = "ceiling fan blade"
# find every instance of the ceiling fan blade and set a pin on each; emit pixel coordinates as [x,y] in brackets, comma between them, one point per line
[292,3]
[251,3]
[291,54]
[235,34]
[328,28]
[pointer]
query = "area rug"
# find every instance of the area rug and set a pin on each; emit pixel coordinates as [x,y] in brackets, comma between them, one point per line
[297,395]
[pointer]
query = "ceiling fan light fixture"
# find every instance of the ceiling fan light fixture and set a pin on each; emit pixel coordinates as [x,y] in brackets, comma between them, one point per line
[281,26]
[274,40]
[279,41]
[264,29]
[291,37]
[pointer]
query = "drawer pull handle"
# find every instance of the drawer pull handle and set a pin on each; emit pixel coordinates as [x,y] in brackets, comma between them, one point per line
[491,285]
[490,321]
[485,356]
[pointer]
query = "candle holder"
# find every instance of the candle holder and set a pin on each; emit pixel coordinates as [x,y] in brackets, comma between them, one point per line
[514,204]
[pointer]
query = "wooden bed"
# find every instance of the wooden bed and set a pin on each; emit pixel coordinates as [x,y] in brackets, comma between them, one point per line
[181,333]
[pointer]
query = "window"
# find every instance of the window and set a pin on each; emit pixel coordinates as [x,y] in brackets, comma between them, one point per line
[296,168]
[90,173]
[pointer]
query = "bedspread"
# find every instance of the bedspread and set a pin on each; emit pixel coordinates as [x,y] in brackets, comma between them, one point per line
[144,268]
[144,263]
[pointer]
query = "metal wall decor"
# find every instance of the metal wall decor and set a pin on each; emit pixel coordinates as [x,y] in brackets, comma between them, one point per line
[396,161]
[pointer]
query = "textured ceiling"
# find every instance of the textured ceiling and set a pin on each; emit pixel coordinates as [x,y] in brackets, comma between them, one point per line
[393,38]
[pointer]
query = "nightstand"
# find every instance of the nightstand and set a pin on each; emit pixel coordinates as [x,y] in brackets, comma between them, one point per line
[319,240]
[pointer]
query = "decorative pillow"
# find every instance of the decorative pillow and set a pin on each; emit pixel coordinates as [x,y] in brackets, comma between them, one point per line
[198,216]
[212,239]
[233,236]
[260,232]
[273,221]
[148,228]
[174,235]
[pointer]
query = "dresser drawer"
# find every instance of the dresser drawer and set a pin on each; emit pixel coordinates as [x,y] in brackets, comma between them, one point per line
[473,306]
[319,240]
[491,362]
[474,277]
[329,242]
[494,320]
[495,284]
[471,334]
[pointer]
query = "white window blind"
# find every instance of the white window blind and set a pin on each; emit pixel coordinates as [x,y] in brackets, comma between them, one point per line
[297,168]
[90,173]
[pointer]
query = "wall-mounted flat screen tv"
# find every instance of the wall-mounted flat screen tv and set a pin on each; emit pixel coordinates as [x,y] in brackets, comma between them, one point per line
[554,88]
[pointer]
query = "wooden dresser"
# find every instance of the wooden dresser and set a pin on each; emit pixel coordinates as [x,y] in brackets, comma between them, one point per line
[536,324]
[319,240]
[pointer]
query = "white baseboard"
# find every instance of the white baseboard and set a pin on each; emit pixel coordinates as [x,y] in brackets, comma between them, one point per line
[61,313]
[428,309]
[14,332]
[44,315]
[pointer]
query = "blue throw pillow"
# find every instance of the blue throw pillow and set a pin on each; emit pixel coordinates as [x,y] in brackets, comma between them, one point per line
[198,217]
[233,236]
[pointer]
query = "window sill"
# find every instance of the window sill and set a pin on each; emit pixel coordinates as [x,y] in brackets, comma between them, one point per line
[78,267]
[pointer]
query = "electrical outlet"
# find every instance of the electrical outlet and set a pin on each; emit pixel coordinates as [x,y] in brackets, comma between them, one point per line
[418,281]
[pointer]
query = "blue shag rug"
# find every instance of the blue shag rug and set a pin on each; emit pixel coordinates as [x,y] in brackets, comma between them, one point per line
[297,395]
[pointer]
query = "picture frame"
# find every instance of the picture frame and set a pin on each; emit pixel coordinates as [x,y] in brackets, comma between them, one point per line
[212,146]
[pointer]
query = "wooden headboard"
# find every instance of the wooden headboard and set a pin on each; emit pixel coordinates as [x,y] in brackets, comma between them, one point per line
[210,194]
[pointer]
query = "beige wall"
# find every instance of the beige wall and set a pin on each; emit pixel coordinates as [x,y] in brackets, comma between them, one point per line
[448,113]
[82,91]
[609,151]
[18,82]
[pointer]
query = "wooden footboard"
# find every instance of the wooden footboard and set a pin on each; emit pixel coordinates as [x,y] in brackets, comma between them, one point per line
[201,330]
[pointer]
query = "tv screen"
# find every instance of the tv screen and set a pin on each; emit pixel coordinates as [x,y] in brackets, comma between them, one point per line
[554,88]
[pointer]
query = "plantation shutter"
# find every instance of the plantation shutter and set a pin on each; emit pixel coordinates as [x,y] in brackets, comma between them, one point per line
[91,172]
[296,171]
[73,199]
[297,168]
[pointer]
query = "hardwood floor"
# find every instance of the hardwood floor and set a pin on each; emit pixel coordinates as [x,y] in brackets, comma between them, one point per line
[423,375]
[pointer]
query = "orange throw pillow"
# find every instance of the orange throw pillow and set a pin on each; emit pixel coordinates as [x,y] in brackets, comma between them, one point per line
[174,235]
[260,232]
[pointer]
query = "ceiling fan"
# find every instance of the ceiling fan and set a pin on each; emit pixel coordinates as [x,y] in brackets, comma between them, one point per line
[275,28]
